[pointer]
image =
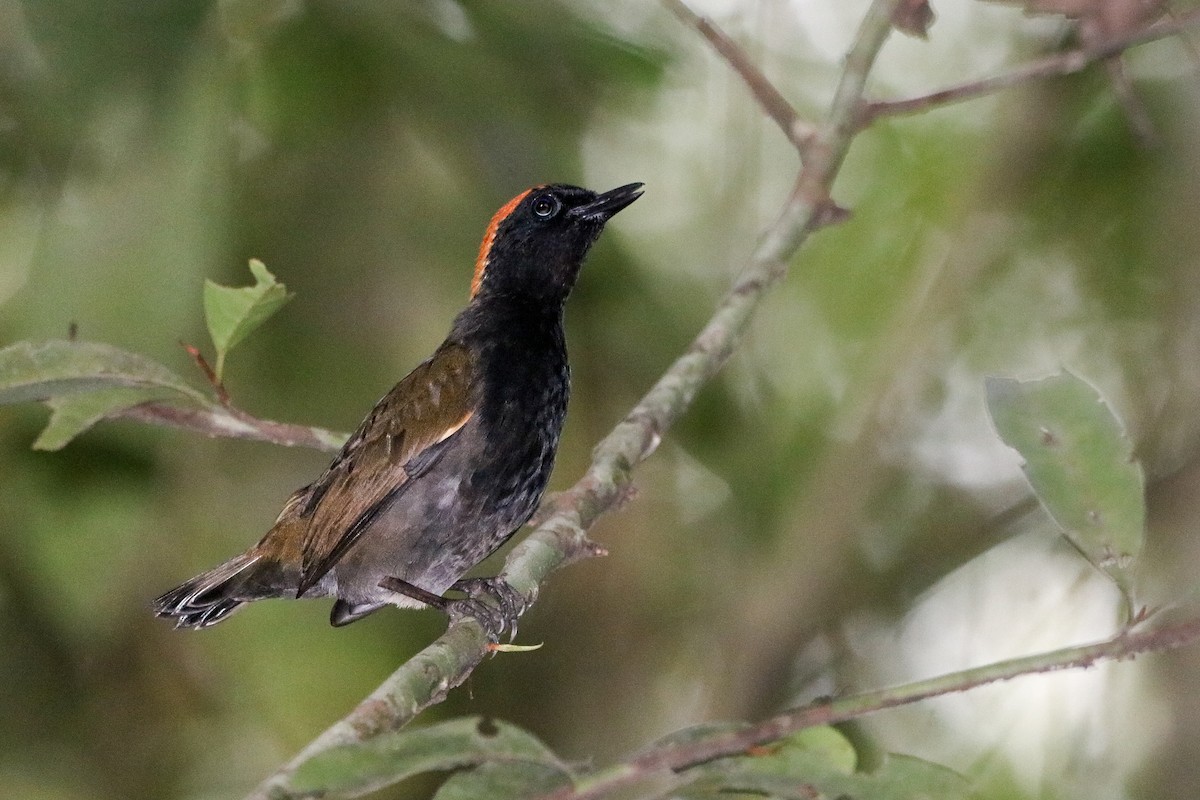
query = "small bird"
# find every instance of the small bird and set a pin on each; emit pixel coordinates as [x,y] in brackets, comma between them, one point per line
[452,461]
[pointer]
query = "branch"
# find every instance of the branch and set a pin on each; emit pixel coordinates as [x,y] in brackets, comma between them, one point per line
[1064,63]
[228,422]
[562,537]
[776,106]
[673,758]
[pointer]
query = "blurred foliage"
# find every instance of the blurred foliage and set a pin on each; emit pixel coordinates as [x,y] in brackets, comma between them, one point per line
[835,512]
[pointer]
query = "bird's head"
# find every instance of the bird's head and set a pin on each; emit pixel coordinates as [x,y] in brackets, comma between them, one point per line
[537,241]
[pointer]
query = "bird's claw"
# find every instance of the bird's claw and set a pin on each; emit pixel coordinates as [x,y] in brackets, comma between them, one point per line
[493,602]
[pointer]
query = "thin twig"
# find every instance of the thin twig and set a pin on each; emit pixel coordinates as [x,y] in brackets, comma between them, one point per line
[1065,63]
[773,103]
[672,758]
[211,375]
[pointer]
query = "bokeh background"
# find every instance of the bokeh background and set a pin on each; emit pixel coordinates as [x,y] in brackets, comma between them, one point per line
[835,513]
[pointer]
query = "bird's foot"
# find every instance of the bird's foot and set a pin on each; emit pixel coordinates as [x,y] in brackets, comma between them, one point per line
[495,617]
[504,609]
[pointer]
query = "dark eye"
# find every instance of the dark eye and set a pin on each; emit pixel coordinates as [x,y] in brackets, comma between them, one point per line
[546,206]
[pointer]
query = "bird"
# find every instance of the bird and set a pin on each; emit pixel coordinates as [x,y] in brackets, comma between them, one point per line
[452,461]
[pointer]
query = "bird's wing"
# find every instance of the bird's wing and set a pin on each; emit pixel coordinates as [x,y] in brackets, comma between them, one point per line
[403,435]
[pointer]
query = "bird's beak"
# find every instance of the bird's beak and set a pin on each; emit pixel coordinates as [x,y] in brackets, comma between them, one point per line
[606,205]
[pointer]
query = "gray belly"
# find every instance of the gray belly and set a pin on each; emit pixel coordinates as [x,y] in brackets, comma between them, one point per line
[443,524]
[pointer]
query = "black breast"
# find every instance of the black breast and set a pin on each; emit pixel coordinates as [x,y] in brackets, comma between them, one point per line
[522,362]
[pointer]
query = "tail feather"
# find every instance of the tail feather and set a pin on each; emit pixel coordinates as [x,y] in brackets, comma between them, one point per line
[211,597]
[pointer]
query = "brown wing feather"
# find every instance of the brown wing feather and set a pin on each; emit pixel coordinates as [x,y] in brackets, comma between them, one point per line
[399,438]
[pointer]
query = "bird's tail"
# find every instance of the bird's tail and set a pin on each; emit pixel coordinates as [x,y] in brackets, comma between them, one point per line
[211,597]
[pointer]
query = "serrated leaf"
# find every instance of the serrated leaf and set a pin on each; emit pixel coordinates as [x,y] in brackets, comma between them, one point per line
[232,313]
[31,371]
[383,760]
[1079,463]
[511,780]
[72,414]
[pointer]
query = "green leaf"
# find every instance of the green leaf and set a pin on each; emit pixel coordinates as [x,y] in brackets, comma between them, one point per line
[83,382]
[32,371]
[826,743]
[72,414]
[232,313]
[383,760]
[813,751]
[798,773]
[1079,463]
[804,759]
[503,780]
[902,777]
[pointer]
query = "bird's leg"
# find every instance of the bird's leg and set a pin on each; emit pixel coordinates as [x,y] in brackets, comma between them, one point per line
[491,618]
[407,589]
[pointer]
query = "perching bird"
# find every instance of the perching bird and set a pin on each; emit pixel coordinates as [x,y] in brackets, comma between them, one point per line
[452,461]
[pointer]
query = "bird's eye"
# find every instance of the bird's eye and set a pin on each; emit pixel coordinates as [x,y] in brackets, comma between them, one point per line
[546,206]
